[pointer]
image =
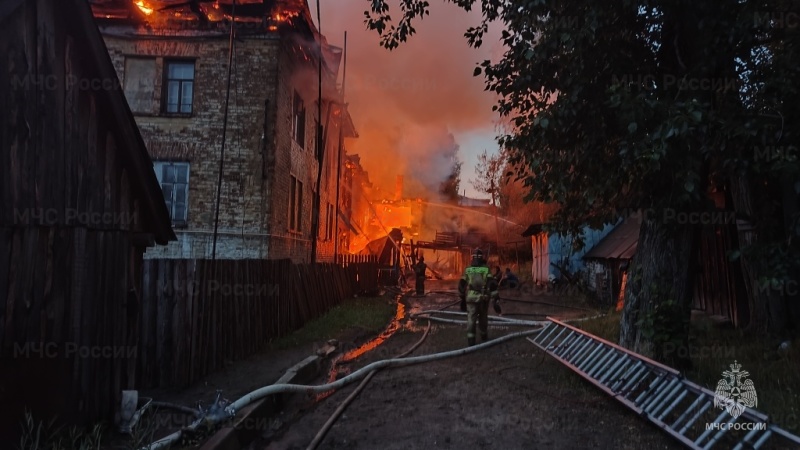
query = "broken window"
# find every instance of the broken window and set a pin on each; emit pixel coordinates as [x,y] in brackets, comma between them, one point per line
[140,77]
[298,120]
[295,204]
[174,180]
[179,86]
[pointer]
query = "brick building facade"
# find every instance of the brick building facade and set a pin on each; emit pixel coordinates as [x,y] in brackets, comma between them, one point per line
[172,62]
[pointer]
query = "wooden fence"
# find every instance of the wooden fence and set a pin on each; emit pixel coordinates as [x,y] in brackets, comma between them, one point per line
[193,323]
[361,271]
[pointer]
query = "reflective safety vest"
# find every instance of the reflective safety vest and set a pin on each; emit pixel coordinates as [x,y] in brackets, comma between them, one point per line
[477,278]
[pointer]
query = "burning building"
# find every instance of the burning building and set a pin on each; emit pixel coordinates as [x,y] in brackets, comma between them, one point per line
[172,60]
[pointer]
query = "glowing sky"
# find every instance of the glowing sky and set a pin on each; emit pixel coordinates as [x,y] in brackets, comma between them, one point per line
[404,103]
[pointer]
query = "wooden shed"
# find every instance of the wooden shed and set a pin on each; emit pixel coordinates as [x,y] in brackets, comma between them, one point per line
[607,262]
[80,205]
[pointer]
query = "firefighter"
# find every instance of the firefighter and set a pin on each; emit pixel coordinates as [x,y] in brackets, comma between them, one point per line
[477,287]
[419,271]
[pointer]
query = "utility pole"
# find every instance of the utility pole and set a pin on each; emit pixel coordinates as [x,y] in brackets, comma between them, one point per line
[320,145]
[496,222]
[341,145]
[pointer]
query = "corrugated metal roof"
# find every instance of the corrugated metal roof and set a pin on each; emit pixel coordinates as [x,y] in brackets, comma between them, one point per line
[620,243]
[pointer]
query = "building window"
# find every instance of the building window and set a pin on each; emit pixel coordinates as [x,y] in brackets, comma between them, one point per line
[178,86]
[174,180]
[140,77]
[295,204]
[298,120]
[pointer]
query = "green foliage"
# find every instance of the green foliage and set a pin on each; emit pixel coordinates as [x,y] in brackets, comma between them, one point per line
[370,314]
[640,103]
[451,185]
[664,325]
[489,172]
[38,435]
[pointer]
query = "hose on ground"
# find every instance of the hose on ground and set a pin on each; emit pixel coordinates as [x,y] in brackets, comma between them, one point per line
[536,302]
[496,320]
[335,416]
[230,411]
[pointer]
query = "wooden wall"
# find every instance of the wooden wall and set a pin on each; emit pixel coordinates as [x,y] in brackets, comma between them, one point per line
[69,215]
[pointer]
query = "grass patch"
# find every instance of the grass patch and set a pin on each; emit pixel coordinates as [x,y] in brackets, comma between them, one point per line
[370,314]
[37,434]
[606,327]
[712,349]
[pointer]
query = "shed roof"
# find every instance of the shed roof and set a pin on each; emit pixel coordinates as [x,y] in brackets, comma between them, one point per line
[133,150]
[620,243]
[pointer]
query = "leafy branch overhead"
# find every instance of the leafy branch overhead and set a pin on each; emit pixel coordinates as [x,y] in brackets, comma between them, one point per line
[632,104]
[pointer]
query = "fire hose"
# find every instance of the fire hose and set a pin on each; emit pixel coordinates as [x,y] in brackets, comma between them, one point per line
[220,412]
[335,416]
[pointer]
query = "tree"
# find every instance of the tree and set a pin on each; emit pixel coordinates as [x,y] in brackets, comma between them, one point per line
[642,105]
[451,185]
[489,171]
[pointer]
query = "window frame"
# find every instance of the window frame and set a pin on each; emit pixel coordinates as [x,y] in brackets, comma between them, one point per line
[153,107]
[158,166]
[165,87]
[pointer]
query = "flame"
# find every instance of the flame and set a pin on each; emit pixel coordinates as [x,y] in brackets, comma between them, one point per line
[145,9]
[621,299]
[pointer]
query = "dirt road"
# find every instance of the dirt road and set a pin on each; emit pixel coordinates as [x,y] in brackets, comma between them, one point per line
[506,397]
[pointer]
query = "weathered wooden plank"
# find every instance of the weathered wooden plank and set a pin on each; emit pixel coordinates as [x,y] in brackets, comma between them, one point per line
[194,333]
[6,236]
[24,294]
[38,265]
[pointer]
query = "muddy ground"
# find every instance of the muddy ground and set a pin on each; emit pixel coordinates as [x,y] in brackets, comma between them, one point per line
[505,397]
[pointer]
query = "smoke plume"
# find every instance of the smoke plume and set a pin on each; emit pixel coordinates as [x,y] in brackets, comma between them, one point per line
[407,103]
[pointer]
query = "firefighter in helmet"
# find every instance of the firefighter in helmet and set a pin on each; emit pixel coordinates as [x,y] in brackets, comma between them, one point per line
[477,287]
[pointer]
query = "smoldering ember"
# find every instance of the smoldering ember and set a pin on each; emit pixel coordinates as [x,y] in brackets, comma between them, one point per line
[282,224]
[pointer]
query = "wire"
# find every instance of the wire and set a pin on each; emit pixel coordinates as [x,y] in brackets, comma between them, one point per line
[224,135]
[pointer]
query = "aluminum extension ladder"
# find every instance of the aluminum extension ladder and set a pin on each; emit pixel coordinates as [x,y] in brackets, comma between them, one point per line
[658,392]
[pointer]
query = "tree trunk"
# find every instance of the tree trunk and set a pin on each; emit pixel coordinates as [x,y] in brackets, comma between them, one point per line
[758,299]
[658,293]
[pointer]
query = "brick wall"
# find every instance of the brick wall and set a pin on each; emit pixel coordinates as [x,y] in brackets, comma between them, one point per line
[254,205]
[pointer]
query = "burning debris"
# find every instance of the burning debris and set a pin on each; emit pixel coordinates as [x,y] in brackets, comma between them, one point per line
[252,15]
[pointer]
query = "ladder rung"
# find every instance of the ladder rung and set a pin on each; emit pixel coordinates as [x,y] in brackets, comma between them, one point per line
[589,356]
[634,379]
[565,345]
[590,349]
[618,366]
[572,359]
[606,359]
[663,396]
[688,410]
[763,439]
[580,342]
[630,371]
[719,434]
[543,336]
[747,438]
[555,339]
[694,418]
[657,381]
[602,352]
[673,405]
